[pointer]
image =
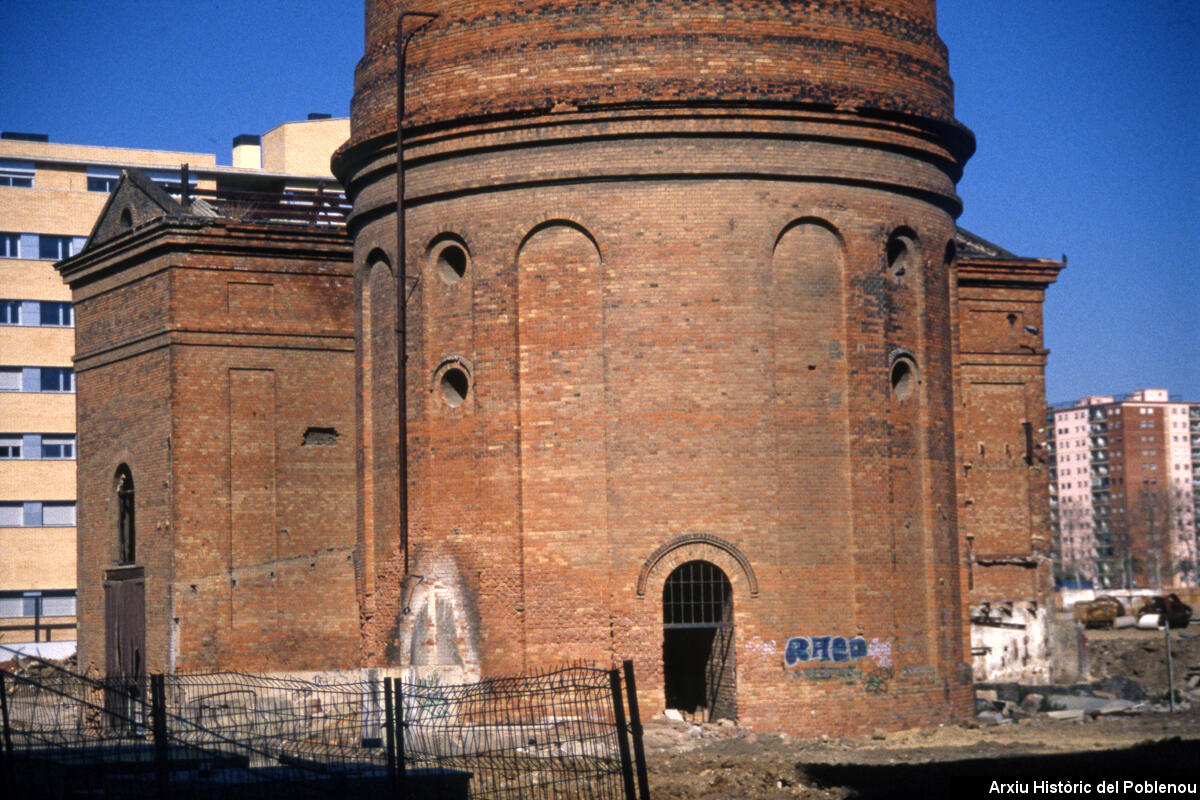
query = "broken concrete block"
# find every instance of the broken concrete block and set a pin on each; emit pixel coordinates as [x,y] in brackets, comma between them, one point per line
[1070,714]
[990,695]
[1032,702]
[673,714]
[990,718]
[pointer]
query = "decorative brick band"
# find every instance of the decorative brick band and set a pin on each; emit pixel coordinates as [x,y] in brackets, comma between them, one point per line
[702,540]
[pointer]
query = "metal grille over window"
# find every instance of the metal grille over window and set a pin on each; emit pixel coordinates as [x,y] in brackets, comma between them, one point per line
[697,595]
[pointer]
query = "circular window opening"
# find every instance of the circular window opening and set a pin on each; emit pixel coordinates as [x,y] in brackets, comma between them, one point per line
[904,378]
[455,386]
[452,263]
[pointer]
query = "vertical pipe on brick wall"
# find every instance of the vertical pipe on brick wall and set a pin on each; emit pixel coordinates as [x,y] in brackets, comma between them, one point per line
[402,276]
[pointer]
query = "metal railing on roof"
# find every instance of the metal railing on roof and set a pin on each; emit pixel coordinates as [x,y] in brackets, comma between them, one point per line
[318,206]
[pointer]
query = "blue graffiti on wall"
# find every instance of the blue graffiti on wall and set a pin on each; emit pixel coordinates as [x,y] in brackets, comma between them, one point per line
[801,649]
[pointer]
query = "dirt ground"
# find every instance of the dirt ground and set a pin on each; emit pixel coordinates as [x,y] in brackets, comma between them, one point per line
[735,764]
[726,762]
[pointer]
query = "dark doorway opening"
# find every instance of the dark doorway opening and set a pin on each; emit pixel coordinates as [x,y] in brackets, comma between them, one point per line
[698,663]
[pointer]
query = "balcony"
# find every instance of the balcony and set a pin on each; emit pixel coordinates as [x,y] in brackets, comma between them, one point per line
[1096,414]
[1099,441]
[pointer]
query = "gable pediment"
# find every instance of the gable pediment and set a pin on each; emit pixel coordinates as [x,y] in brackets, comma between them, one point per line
[135,201]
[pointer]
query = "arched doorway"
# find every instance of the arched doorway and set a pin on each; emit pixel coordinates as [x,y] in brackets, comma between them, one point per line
[698,663]
[124,611]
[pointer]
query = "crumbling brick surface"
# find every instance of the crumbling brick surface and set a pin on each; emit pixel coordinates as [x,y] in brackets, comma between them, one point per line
[498,58]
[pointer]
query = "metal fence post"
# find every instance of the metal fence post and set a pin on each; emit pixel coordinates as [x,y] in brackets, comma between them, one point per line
[158,715]
[614,677]
[9,773]
[635,727]
[389,733]
[401,770]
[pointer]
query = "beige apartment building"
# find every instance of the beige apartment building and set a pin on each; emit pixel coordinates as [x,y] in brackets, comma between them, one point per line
[1125,488]
[50,197]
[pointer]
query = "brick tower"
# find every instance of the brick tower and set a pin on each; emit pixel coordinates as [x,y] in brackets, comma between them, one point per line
[672,326]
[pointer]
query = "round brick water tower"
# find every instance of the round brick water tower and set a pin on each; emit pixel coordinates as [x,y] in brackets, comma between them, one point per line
[673,325]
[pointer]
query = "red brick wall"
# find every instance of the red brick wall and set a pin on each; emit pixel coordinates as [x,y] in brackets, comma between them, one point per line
[202,368]
[1004,520]
[497,57]
[679,330]
[657,358]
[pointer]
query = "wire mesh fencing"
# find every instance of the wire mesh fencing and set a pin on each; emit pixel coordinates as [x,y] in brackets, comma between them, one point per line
[560,734]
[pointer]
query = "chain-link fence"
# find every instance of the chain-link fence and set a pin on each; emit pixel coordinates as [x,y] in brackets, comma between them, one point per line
[560,734]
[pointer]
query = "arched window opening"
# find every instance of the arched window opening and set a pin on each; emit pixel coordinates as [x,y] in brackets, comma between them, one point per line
[698,651]
[902,252]
[126,530]
[904,378]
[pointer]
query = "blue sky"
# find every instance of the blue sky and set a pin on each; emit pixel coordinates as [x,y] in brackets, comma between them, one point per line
[1086,113]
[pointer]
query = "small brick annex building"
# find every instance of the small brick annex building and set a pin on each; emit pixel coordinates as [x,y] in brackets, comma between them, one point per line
[670,369]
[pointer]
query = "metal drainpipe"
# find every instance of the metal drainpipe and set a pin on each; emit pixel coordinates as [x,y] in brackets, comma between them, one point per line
[402,40]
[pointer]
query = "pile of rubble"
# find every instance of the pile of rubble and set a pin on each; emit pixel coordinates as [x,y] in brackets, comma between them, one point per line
[996,704]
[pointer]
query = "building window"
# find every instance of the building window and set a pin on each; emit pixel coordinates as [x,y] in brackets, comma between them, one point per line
[37,514]
[58,515]
[126,531]
[105,185]
[10,379]
[58,447]
[58,379]
[54,248]
[10,446]
[10,245]
[34,603]
[60,315]
[102,180]
[10,312]
[12,515]
[16,173]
